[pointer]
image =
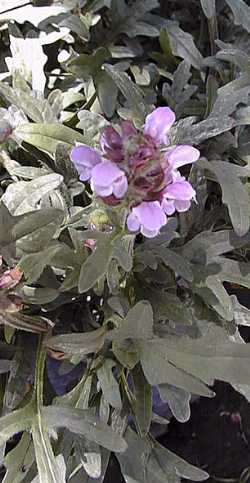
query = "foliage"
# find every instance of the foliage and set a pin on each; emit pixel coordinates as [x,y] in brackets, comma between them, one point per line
[120,317]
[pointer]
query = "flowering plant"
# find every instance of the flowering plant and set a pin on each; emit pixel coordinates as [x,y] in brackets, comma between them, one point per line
[124,220]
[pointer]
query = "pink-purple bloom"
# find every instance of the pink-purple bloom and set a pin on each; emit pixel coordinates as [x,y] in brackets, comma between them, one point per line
[140,169]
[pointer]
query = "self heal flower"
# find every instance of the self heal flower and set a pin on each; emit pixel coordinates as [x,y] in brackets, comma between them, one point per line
[85,159]
[148,217]
[108,179]
[177,196]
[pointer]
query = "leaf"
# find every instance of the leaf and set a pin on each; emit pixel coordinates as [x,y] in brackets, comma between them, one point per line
[109,385]
[131,91]
[127,19]
[107,93]
[24,196]
[17,421]
[176,262]
[214,243]
[208,7]
[79,344]
[241,13]
[231,95]
[182,45]
[234,194]
[49,471]
[12,228]
[241,313]
[34,264]
[95,266]
[138,323]
[142,406]
[27,13]
[47,136]
[178,401]
[82,422]
[211,357]
[159,370]
[146,461]
[176,465]
[19,460]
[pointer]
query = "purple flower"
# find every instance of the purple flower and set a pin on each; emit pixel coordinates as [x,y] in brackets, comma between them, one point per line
[136,165]
[177,196]
[181,155]
[85,159]
[148,217]
[158,124]
[108,179]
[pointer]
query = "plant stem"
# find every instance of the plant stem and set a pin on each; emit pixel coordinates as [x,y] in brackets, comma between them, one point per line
[40,364]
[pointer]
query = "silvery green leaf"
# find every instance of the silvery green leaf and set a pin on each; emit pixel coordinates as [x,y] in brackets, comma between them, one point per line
[241,12]
[15,227]
[80,343]
[19,460]
[109,384]
[82,422]
[241,313]
[142,406]
[24,196]
[182,45]
[230,95]
[15,422]
[178,401]
[29,59]
[158,369]
[130,91]
[138,323]
[234,193]
[50,468]
[208,7]
[27,13]
[230,53]
[95,266]
[48,136]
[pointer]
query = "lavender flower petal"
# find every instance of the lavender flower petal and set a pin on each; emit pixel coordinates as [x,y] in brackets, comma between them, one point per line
[158,124]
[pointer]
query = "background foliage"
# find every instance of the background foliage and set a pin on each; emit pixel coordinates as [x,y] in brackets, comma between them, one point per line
[100,335]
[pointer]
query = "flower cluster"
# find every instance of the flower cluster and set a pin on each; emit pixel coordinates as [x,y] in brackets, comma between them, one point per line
[141,170]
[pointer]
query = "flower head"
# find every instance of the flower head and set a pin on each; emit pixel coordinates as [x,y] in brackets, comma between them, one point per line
[141,169]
